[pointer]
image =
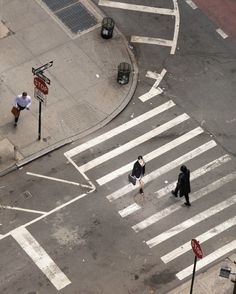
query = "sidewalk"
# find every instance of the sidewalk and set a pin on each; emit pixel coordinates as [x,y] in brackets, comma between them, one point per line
[84,94]
[209,282]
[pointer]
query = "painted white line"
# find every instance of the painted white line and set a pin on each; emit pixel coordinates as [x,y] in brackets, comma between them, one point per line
[191,222]
[21,209]
[217,254]
[129,210]
[164,169]
[191,4]
[40,258]
[151,41]
[150,156]
[120,129]
[134,7]
[57,180]
[174,207]
[176,30]
[134,143]
[201,238]
[195,174]
[222,33]
[155,90]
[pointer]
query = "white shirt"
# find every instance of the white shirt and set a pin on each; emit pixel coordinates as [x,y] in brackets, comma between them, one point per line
[23,102]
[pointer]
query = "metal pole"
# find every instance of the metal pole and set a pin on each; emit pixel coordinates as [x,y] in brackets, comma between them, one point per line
[193,275]
[39,131]
[234,287]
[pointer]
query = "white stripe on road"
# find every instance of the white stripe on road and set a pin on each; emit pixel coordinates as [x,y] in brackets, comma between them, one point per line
[191,222]
[133,143]
[222,33]
[40,257]
[217,254]
[134,7]
[151,41]
[150,156]
[191,4]
[201,238]
[120,129]
[174,207]
[22,209]
[164,169]
[155,90]
[129,210]
[176,30]
[195,174]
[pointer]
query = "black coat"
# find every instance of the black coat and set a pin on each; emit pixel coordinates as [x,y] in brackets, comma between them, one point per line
[138,170]
[184,183]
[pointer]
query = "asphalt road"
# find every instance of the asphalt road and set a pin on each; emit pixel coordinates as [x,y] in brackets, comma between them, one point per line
[112,239]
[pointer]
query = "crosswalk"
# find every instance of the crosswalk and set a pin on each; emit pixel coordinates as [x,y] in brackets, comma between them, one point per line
[177,140]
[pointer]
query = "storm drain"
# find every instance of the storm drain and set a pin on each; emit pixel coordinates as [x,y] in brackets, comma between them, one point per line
[73,14]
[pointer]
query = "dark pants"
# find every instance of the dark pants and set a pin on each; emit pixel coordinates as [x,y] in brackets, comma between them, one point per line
[186,196]
[20,108]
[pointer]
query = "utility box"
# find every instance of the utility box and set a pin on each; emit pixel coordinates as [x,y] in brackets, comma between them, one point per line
[124,70]
[108,25]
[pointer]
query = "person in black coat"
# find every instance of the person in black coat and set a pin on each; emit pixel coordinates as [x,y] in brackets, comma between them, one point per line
[183,185]
[139,171]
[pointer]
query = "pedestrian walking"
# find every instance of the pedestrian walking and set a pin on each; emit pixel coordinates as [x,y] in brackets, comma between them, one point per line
[183,185]
[21,102]
[138,172]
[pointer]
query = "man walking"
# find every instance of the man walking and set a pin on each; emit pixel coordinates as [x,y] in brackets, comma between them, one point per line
[21,102]
[183,185]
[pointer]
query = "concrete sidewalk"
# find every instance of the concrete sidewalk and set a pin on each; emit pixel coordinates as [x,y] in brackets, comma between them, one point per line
[84,94]
[209,282]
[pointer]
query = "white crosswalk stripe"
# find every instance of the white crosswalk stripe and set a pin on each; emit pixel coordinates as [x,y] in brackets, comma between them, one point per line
[190,145]
[191,222]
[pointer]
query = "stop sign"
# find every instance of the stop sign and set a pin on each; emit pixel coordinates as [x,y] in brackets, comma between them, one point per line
[41,85]
[196,248]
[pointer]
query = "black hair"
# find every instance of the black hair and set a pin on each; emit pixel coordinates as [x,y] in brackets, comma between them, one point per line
[183,168]
[140,157]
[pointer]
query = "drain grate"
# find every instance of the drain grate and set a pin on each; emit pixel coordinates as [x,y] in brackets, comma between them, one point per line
[73,14]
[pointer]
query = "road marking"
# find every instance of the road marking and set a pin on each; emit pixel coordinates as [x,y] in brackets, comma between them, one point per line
[134,7]
[150,156]
[21,209]
[201,238]
[164,169]
[129,210]
[191,222]
[174,207]
[222,33]
[151,41]
[134,143]
[176,30]
[155,90]
[191,4]
[217,254]
[40,258]
[120,129]
[195,174]
[57,180]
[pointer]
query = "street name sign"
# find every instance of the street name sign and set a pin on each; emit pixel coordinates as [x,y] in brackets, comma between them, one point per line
[40,69]
[196,248]
[40,84]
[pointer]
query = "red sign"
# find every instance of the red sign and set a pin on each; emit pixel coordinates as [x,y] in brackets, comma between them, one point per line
[41,85]
[196,248]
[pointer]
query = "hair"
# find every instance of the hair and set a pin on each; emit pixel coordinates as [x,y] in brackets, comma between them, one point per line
[140,157]
[183,168]
[24,94]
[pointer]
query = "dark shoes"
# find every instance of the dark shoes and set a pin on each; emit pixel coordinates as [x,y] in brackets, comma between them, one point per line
[15,124]
[173,193]
[187,204]
[141,191]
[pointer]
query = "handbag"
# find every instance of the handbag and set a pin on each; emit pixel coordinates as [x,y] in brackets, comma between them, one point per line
[132,179]
[15,111]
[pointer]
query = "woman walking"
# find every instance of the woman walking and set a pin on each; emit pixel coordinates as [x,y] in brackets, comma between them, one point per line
[138,172]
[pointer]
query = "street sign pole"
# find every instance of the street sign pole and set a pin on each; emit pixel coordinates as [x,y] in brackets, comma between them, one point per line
[193,275]
[39,128]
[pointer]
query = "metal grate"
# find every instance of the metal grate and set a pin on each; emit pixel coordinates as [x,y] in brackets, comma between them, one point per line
[73,14]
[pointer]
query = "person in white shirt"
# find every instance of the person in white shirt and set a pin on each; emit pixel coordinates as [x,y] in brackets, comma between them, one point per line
[22,102]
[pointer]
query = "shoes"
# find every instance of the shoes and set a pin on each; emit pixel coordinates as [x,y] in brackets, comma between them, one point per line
[173,193]
[141,191]
[15,124]
[187,204]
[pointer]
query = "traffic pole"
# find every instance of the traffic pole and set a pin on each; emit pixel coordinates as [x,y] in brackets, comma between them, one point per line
[193,275]
[39,128]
